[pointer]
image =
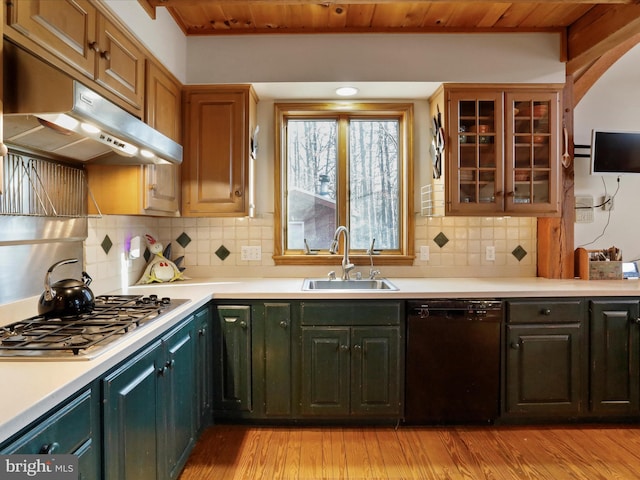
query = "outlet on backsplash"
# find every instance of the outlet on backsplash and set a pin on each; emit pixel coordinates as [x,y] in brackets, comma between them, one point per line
[249,253]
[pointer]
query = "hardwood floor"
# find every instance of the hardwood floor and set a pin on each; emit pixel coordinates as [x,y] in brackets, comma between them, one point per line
[472,453]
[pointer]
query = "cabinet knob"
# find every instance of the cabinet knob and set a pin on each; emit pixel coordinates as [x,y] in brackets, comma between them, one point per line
[357,348]
[106,55]
[499,193]
[546,311]
[515,345]
[49,448]
[511,194]
[637,320]
[94,46]
[202,332]
[153,186]
[283,324]
[170,363]
[344,348]
[238,193]
[162,370]
[243,324]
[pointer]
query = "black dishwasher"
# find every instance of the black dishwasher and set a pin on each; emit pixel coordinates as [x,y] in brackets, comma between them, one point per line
[453,361]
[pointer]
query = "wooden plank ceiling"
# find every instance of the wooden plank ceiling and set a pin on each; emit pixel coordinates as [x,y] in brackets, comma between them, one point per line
[597,32]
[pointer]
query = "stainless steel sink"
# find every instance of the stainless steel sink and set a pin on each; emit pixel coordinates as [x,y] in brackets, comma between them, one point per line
[364,284]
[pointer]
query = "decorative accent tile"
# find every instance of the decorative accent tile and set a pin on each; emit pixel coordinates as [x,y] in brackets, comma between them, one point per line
[441,240]
[222,252]
[106,244]
[183,240]
[519,253]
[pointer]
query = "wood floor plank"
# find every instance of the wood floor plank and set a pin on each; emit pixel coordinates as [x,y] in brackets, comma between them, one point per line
[228,452]
[393,456]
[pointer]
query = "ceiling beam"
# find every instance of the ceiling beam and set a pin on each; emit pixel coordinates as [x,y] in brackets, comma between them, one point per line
[601,30]
[186,3]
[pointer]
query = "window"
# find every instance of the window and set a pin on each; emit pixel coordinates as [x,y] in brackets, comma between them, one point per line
[343,165]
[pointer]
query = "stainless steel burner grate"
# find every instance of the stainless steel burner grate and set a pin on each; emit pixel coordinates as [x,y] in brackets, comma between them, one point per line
[69,337]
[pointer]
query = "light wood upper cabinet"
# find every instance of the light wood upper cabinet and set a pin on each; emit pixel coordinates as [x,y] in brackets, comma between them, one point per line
[148,189]
[219,121]
[502,154]
[84,41]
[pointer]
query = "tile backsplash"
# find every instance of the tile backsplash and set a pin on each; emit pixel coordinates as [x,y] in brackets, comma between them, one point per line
[457,248]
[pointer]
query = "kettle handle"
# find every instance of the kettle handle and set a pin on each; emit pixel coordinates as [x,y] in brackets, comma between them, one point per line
[49,293]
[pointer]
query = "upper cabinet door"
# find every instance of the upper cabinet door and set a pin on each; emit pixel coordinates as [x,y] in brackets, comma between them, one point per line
[66,28]
[120,66]
[531,152]
[164,113]
[476,167]
[218,121]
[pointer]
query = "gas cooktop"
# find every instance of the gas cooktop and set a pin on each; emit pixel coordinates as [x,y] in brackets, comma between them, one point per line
[84,336]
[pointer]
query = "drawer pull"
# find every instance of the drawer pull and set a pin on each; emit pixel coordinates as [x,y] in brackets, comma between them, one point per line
[546,311]
[49,448]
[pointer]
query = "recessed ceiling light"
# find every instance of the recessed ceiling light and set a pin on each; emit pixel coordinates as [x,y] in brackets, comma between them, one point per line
[346,91]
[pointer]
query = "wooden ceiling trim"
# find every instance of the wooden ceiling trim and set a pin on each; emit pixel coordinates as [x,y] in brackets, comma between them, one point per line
[600,30]
[590,75]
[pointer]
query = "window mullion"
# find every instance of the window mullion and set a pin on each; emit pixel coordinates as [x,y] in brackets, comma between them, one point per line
[343,171]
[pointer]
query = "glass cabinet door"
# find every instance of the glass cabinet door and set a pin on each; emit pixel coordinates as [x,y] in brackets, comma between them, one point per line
[475,172]
[531,153]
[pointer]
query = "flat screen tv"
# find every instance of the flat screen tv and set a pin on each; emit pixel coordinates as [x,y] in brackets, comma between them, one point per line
[615,153]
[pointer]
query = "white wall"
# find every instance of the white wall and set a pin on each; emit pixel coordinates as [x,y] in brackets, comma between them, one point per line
[613,103]
[514,57]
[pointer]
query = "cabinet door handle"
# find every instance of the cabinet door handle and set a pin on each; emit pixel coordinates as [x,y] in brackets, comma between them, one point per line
[94,46]
[637,321]
[283,324]
[49,448]
[238,193]
[499,193]
[344,348]
[515,345]
[202,332]
[170,363]
[546,311]
[243,324]
[357,348]
[511,194]
[162,371]
[106,55]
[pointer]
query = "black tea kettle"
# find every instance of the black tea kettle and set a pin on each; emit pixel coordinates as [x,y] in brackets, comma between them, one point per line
[68,297]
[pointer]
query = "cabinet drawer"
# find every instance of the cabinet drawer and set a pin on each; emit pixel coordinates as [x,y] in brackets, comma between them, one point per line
[351,313]
[67,430]
[545,311]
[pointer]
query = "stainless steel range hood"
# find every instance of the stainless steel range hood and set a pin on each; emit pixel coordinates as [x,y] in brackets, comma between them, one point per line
[46,111]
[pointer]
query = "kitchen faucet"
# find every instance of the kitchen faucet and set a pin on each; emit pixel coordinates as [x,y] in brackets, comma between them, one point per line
[347,266]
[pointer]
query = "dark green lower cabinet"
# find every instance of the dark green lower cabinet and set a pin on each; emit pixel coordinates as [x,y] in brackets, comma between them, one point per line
[204,368]
[350,371]
[543,369]
[133,418]
[232,358]
[615,357]
[72,428]
[276,352]
[150,410]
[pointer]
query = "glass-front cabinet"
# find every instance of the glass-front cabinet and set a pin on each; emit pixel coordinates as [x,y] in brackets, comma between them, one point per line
[503,151]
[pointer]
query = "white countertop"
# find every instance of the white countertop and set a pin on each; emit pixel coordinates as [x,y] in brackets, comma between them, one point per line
[32,387]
